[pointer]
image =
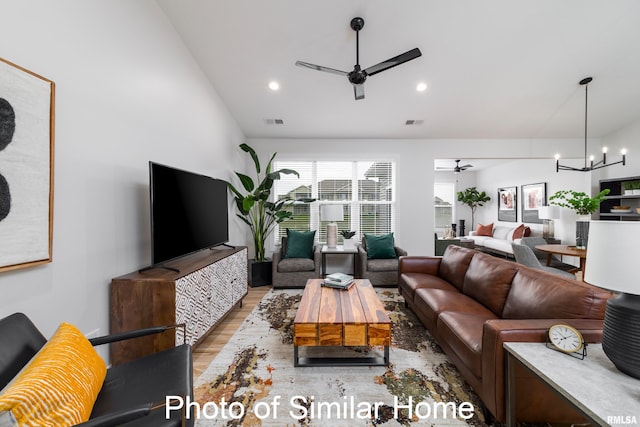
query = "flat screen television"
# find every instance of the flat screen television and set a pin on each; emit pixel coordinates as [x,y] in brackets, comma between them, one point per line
[189,212]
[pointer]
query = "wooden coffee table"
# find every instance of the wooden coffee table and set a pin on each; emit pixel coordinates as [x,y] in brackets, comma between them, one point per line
[335,317]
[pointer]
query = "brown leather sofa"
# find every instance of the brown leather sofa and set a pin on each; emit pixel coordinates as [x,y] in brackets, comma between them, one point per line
[472,303]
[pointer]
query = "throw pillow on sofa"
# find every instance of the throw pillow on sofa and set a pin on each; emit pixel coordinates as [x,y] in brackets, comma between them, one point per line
[59,386]
[299,244]
[380,247]
[520,232]
[485,230]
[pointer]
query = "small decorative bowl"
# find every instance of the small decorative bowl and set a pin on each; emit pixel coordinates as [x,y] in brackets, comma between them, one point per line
[621,208]
[638,210]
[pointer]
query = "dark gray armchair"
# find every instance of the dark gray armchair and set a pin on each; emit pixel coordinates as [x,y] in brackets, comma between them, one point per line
[380,272]
[294,272]
[132,394]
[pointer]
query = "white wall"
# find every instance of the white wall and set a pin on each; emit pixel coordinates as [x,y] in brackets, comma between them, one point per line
[415,175]
[127,91]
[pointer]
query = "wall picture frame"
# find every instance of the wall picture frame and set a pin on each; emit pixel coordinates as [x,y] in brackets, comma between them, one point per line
[508,204]
[27,115]
[533,197]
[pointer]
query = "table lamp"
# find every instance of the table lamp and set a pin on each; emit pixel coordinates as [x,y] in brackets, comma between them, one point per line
[611,264]
[332,213]
[547,214]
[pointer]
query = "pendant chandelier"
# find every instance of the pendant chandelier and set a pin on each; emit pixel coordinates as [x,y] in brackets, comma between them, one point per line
[589,164]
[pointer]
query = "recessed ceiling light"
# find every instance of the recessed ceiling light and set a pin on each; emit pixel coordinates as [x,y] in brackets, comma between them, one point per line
[421,87]
[274,85]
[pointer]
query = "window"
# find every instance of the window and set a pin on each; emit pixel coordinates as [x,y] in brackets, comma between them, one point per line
[444,198]
[364,189]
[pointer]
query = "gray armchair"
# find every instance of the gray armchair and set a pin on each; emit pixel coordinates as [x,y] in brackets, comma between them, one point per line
[380,272]
[294,272]
[532,242]
[524,255]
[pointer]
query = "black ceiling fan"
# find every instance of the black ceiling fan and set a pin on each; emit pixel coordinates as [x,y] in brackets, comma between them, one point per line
[358,76]
[457,168]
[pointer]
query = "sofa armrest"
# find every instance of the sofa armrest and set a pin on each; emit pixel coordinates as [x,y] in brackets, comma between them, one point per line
[419,264]
[317,259]
[498,331]
[399,251]
[121,336]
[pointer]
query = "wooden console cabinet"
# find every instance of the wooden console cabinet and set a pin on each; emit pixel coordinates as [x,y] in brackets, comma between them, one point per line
[208,285]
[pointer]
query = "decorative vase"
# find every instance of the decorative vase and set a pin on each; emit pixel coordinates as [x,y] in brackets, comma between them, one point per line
[582,232]
[461,230]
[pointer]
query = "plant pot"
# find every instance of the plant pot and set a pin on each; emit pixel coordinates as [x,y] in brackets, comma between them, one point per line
[629,192]
[635,192]
[349,243]
[582,232]
[259,273]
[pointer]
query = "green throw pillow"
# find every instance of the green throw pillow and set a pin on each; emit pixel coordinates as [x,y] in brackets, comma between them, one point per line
[380,247]
[300,244]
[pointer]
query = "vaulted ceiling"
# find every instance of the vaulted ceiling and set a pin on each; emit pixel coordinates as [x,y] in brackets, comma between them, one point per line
[494,68]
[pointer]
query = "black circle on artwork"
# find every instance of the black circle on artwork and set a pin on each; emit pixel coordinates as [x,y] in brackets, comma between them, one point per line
[5,198]
[7,123]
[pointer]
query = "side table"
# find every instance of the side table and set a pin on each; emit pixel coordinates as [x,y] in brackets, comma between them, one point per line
[340,249]
[581,383]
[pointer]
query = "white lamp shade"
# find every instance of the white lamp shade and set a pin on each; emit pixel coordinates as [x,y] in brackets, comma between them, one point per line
[612,255]
[549,212]
[331,213]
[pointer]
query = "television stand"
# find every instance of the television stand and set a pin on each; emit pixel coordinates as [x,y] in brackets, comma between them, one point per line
[208,286]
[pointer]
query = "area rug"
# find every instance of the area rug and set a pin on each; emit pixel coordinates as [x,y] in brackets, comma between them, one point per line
[252,381]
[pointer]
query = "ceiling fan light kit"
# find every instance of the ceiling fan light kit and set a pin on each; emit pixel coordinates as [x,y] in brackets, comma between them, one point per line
[590,166]
[358,76]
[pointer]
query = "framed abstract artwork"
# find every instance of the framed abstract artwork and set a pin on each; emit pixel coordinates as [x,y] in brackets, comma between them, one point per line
[508,204]
[533,197]
[27,103]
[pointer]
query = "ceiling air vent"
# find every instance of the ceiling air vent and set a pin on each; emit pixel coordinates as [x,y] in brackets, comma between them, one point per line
[414,122]
[274,121]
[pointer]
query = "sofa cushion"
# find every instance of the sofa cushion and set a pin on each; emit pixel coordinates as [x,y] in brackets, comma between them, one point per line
[431,302]
[299,244]
[485,230]
[499,245]
[410,282]
[382,264]
[555,297]
[502,233]
[380,247]
[59,384]
[462,332]
[454,264]
[488,280]
[291,265]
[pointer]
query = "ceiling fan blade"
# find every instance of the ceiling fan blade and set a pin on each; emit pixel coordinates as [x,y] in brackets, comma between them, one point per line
[392,62]
[321,68]
[467,166]
[358,91]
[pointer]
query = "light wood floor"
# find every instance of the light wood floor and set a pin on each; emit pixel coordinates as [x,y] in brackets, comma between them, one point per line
[211,346]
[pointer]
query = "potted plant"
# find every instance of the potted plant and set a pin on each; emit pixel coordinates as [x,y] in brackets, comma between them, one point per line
[629,187]
[578,201]
[583,205]
[347,239]
[635,186]
[473,198]
[260,213]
